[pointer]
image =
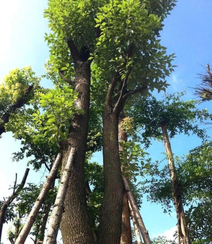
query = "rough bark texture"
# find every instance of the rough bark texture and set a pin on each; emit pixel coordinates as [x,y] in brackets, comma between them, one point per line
[5,117]
[10,200]
[176,194]
[136,229]
[75,225]
[54,222]
[33,214]
[111,212]
[126,234]
[138,217]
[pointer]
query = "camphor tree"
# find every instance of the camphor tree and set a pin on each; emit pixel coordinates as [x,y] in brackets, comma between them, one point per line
[116,45]
[173,116]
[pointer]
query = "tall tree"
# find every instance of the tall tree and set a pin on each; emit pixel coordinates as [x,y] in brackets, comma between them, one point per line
[174,116]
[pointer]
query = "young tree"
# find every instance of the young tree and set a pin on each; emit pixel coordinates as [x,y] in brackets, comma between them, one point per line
[175,116]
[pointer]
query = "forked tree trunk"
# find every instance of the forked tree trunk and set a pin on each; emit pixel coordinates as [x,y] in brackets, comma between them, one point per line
[136,229]
[33,214]
[75,225]
[135,209]
[54,222]
[6,204]
[126,231]
[176,193]
[111,212]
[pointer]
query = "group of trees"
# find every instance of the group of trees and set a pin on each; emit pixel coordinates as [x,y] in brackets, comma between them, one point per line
[105,61]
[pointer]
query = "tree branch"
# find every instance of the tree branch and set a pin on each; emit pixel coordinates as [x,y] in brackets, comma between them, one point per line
[111,88]
[62,76]
[120,102]
[74,51]
[5,118]
[132,92]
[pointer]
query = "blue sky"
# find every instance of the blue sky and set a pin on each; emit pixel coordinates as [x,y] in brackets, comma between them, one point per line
[187,33]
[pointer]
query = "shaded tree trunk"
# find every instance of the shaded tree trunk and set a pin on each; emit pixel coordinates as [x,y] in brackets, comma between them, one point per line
[137,215]
[111,212]
[54,222]
[10,200]
[75,226]
[33,214]
[176,193]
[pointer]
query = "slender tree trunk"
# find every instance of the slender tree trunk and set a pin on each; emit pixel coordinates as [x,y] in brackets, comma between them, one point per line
[33,214]
[75,225]
[111,212]
[56,216]
[126,235]
[10,200]
[126,232]
[176,194]
[138,217]
[136,229]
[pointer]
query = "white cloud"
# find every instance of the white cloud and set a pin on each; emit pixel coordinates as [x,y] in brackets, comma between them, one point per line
[169,234]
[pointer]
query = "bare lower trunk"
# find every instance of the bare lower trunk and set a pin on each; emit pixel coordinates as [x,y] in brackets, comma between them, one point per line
[54,222]
[33,214]
[111,212]
[176,194]
[136,229]
[138,217]
[75,226]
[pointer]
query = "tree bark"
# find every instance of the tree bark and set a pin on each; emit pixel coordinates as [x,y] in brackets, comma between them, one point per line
[75,225]
[176,193]
[10,200]
[126,232]
[138,217]
[136,229]
[32,216]
[54,222]
[111,212]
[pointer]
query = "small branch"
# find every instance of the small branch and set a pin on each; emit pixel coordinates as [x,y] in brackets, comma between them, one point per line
[74,51]
[119,102]
[10,199]
[111,89]
[62,76]
[132,92]
[15,182]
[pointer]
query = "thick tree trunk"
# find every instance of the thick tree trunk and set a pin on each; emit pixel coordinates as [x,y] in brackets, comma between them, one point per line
[75,226]
[126,232]
[111,212]
[10,200]
[54,222]
[136,229]
[176,194]
[138,217]
[33,214]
